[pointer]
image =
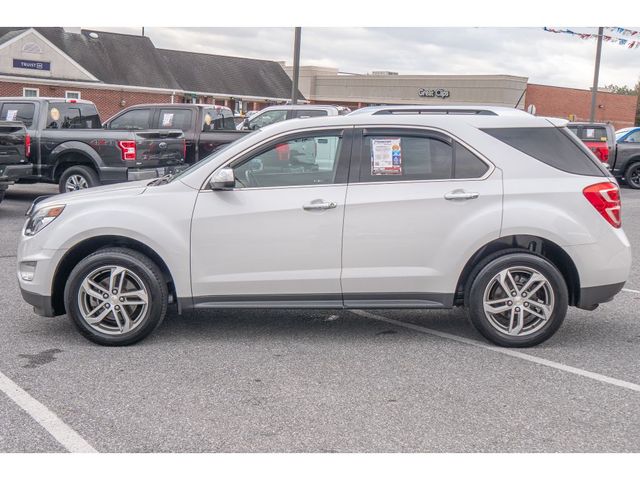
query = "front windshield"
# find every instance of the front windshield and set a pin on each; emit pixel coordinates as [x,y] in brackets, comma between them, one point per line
[211,157]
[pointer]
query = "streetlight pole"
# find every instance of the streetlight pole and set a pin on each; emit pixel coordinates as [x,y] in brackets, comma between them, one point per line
[296,66]
[596,74]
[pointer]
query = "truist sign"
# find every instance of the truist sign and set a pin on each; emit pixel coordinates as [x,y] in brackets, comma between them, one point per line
[31,64]
[434,93]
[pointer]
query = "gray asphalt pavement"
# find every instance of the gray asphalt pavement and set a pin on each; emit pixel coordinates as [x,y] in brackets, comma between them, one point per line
[319,381]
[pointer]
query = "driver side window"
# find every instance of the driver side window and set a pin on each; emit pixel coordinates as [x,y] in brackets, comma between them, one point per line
[267,118]
[634,137]
[302,161]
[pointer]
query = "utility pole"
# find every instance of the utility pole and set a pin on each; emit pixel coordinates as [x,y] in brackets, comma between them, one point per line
[296,66]
[596,74]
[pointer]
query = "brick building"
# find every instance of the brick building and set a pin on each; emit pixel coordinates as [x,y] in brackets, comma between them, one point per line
[573,103]
[116,70]
[328,85]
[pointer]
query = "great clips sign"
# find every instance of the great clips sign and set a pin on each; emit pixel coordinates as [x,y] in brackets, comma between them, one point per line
[31,64]
[434,92]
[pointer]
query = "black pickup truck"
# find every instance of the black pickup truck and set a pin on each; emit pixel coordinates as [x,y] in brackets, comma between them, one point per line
[14,150]
[69,147]
[205,127]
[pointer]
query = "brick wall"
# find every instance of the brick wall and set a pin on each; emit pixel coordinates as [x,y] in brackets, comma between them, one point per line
[107,101]
[563,102]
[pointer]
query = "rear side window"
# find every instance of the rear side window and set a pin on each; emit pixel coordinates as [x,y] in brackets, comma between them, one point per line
[398,158]
[550,145]
[18,112]
[175,118]
[72,116]
[309,113]
[132,120]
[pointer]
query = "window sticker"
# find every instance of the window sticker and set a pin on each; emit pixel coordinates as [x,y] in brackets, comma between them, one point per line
[167,119]
[208,119]
[55,114]
[11,115]
[590,133]
[386,156]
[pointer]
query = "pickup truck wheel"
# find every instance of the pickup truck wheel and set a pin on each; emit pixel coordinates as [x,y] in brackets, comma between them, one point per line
[632,175]
[116,296]
[77,178]
[518,300]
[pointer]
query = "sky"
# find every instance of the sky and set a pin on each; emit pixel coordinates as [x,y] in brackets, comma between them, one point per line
[543,57]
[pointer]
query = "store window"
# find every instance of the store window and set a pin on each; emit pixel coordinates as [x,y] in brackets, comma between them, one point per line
[72,94]
[30,92]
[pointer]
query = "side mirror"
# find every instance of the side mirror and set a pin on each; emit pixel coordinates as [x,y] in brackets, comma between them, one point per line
[223,179]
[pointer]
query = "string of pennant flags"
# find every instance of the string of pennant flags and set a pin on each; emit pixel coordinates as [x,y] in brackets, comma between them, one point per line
[627,42]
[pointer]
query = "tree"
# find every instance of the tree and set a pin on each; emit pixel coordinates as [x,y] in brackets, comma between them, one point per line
[625,90]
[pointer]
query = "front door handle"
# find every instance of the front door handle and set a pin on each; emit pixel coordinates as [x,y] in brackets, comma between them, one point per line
[319,205]
[461,195]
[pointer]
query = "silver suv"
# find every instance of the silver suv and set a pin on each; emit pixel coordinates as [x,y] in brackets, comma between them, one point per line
[507,215]
[279,113]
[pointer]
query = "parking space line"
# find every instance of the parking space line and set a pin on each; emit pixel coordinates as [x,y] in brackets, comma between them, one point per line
[628,290]
[63,433]
[505,351]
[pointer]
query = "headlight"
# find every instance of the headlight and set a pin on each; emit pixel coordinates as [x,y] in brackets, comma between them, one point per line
[41,218]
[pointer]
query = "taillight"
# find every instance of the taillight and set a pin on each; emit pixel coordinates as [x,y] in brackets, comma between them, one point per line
[27,145]
[127,149]
[603,153]
[605,198]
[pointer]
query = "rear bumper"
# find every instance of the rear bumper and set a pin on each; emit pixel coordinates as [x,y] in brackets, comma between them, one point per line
[41,304]
[591,296]
[11,173]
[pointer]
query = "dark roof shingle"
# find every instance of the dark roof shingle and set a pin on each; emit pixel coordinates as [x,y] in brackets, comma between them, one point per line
[201,72]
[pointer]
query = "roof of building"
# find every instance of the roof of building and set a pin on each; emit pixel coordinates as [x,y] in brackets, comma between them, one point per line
[201,72]
[133,60]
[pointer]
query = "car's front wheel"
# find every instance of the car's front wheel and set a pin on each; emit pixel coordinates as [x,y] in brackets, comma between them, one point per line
[518,300]
[116,296]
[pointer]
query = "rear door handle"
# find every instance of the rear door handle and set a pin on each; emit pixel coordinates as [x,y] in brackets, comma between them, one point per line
[461,195]
[319,205]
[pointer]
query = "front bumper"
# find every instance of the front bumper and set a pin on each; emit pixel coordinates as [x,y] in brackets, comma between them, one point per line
[42,304]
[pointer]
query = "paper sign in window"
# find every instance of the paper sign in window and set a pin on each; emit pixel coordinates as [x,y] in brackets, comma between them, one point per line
[167,119]
[386,156]
[590,133]
[11,115]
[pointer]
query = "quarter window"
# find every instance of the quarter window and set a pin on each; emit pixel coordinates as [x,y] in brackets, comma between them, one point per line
[467,164]
[132,120]
[303,161]
[309,113]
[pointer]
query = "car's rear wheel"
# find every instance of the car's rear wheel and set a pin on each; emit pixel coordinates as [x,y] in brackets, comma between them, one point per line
[77,177]
[632,175]
[116,296]
[518,300]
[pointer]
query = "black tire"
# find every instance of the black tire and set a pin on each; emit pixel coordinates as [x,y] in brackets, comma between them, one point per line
[87,175]
[484,274]
[2,192]
[147,272]
[632,175]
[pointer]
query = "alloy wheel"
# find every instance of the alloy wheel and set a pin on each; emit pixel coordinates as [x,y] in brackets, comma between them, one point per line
[634,176]
[76,182]
[113,300]
[518,301]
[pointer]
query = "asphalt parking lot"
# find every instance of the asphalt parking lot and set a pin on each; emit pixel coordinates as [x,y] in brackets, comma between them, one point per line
[321,381]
